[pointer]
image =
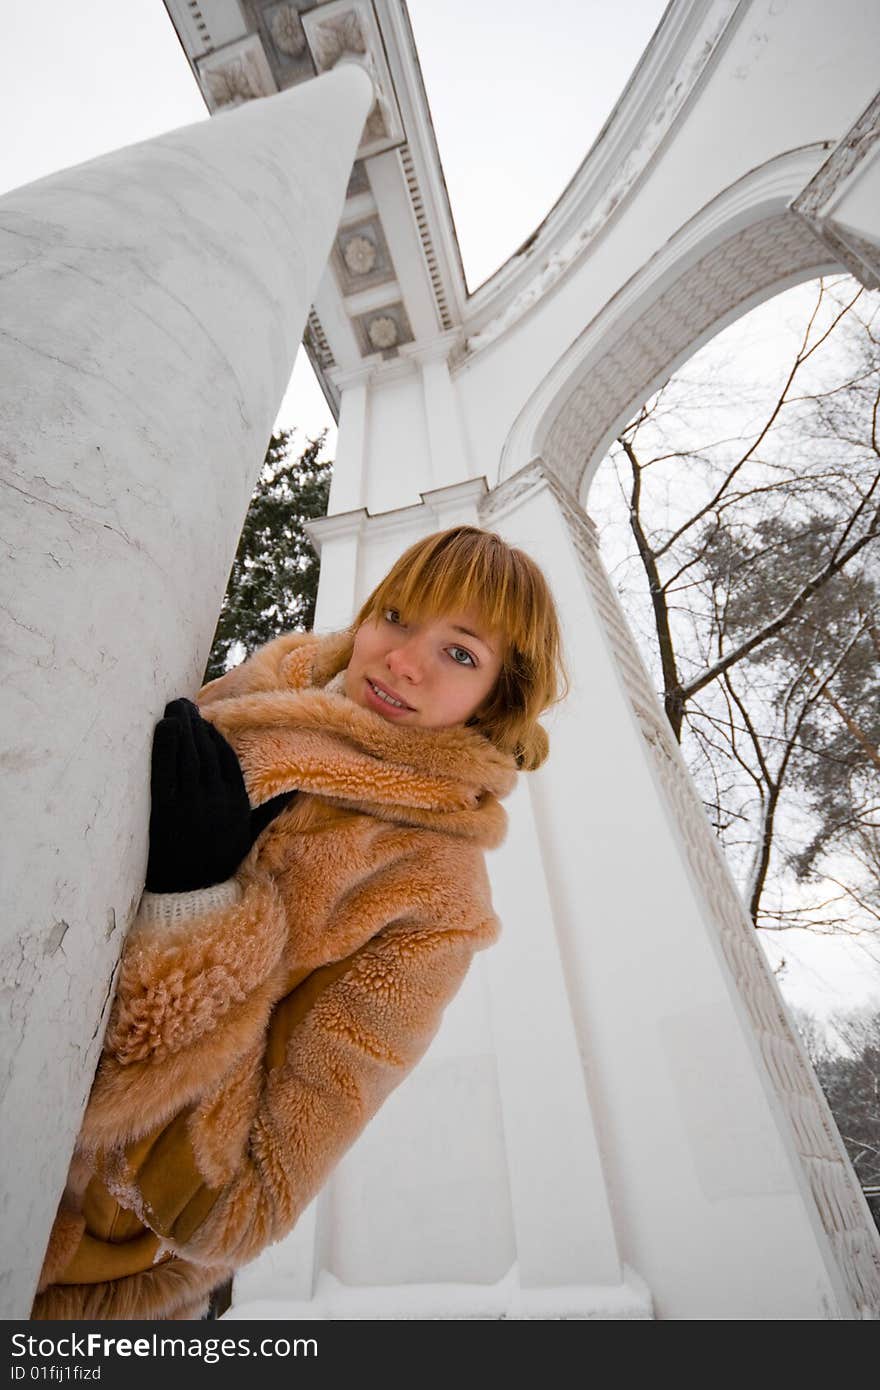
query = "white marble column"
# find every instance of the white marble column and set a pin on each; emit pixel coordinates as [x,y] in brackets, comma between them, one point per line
[151,303]
[499,1204]
[337,540]
[446,440]
[731,1191]
[347,483]
[565,1238]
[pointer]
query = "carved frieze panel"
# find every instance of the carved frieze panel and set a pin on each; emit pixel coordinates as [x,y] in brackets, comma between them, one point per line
[360,256]
[383,330]
[346,31]
[235,74]
[285,41]
[338,32]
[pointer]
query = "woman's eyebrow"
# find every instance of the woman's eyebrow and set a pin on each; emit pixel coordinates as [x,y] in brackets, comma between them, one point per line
[467,632]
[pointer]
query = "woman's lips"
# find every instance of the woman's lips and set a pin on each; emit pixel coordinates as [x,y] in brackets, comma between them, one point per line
[383,705]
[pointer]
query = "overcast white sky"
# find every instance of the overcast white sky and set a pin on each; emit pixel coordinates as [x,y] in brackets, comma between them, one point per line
[518,93]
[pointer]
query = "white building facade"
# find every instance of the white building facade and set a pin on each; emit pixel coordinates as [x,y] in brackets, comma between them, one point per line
[617,1118]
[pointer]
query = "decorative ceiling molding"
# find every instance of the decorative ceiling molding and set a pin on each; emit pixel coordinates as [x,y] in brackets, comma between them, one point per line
[821,199]
[285,42]
[285,27]
[346,31]
[243,49]
[686,46]
[373,300]
[383,329]
[235,74]
[378,36]
[360,256]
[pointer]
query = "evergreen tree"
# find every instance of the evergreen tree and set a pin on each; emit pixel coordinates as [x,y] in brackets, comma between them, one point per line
[273,583]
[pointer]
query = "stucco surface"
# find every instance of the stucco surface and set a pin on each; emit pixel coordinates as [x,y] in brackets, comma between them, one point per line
[151,304]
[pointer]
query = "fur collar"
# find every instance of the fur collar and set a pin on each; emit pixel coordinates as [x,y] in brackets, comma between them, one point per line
[291,731]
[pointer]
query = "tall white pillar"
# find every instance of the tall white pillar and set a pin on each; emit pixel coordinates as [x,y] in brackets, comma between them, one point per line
[446,440]
[337,540]
[731,1191]
[151,304]
[349,466]
[565,1238]
[500,1204]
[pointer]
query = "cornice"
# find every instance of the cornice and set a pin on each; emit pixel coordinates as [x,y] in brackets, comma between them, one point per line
[406,362]
[327,528]
[470,489]
[438,500]
[441,348]
[329,391]
[421,167]
[345,377]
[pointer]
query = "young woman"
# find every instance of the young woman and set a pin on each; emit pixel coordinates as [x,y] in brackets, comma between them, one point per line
[316,890]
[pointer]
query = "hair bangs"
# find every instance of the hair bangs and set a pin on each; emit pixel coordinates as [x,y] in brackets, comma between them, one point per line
[465,571]
[468,570]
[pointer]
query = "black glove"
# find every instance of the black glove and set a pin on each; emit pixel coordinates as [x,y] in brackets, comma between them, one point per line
[201,822]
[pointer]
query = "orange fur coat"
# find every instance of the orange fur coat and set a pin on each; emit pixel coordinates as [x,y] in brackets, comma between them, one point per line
[258,1025]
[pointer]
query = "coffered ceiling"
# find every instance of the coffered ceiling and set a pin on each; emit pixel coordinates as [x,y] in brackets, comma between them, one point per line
[394,278]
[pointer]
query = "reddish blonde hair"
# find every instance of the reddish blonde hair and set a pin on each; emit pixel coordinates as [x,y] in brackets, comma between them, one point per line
[466,567]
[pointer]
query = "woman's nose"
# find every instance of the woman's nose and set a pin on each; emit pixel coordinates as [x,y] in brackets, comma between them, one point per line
[405,660]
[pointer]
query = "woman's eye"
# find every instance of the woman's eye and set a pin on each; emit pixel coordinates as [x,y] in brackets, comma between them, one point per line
[457,653]
[392,615]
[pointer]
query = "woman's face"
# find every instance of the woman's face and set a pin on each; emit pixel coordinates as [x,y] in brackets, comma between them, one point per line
[438,671]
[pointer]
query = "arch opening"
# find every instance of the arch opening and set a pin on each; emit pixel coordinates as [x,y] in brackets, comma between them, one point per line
[741,249]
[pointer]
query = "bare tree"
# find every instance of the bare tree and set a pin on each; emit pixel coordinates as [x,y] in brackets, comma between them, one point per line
[755,523]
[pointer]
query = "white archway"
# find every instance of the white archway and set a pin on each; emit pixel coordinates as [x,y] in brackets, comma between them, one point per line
[741,249]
